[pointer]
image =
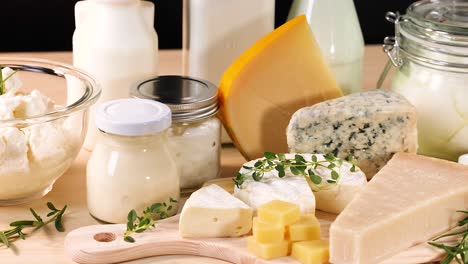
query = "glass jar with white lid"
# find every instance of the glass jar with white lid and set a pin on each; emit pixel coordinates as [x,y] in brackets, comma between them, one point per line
[131,166]
[195,134]
[430,51]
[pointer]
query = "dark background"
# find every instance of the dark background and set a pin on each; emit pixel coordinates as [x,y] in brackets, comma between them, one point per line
[47,25]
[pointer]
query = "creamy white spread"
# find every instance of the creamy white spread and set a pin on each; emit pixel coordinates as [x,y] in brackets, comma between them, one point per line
[196,149]
[31,157]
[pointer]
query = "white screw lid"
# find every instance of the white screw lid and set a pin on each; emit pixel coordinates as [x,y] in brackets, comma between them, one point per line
[132,117]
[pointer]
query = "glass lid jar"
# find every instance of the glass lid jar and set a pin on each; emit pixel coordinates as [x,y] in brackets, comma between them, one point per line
[195,134]
[430,51]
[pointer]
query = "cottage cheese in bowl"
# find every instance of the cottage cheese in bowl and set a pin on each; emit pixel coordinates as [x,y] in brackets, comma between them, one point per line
[38,140]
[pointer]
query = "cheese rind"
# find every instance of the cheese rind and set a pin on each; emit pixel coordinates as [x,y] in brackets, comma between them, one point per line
[371,126]
[213,212]
[260,91]
[411,200]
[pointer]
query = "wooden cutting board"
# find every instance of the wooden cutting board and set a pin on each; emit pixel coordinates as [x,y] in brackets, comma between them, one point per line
[104,244]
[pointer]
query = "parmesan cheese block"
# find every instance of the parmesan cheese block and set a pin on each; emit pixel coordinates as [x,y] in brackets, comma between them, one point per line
[371,126]
[260,91]
[213,212]
[411,200]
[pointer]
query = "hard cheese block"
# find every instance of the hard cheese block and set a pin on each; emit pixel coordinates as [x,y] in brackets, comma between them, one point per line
[307,228]
[264,232]
[411,200]
[371,126]
[268,250]
[213,212]
[260,91]
[279,212]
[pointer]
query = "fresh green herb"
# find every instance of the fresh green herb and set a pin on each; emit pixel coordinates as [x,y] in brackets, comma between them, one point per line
[298,166]
[457,251]
[3,80]
[139,224]
[55,215]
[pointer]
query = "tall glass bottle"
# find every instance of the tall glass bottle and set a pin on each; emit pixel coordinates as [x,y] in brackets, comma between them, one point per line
[336,28]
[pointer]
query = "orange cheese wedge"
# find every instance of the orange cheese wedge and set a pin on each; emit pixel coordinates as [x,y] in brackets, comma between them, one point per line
[281,73]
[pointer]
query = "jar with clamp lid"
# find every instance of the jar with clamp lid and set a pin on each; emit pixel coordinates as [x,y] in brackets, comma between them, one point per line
[195,134]
[131,166]
[430,51]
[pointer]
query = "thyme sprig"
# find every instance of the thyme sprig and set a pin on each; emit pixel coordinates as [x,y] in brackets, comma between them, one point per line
[459,250]
[298,166]
[3,81]
[139,224]
[7,237]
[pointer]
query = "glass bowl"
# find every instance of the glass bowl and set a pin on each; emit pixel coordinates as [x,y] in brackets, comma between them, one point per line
[36,149]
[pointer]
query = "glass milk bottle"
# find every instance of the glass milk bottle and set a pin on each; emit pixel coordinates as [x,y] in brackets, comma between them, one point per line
[115,41]
[216,32]
[132,166]
[336,28]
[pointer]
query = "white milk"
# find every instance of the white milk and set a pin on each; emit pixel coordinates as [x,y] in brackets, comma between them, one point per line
[116,42]
[336,28]
[216,32]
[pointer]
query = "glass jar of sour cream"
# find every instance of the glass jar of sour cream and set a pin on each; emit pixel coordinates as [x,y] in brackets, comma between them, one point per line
[131,166]
[195,134]
[430,50]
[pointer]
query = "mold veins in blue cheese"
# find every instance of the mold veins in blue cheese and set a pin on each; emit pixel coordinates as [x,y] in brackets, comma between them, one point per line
[371,126]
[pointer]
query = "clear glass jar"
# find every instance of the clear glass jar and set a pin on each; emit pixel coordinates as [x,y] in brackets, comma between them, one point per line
[430,51]
[195,134]
[131,166]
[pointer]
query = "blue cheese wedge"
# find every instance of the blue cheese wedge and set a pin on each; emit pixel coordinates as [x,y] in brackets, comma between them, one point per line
[371,126]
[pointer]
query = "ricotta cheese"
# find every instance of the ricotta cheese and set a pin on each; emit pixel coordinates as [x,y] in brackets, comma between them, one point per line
[371,126]
[31,157]
[213,212]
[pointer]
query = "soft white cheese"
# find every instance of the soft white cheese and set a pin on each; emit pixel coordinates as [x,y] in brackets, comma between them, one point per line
[293,189]
[213,212]
[334,198]
[31,157]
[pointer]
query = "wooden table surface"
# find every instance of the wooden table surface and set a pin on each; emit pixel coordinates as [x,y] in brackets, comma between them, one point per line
[46,246]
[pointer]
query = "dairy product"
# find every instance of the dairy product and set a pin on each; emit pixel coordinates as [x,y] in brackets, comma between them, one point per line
[198,144]
[292,188]
[411,200]
[314,251]
[261,90]
[269,250]
[31,157]
[264,232]
[117,43]
[213,212]
[307,228]
[371,126]
[279,212]
[131,166]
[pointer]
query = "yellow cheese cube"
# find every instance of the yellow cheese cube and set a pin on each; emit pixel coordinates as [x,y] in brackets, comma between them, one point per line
[279,212]
[307,228]
[311,252]
[268,250]
[267,232]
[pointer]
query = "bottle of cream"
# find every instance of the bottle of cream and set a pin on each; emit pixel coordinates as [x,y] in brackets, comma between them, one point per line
[216,32]
[131,166]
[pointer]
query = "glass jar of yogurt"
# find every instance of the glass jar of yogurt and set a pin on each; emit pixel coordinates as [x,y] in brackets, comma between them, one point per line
[131,166]
[195,134]
[430,51]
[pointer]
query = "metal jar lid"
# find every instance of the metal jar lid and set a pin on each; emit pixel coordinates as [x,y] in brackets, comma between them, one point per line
[189,99]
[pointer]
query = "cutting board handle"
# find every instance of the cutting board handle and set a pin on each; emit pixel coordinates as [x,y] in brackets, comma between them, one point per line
[105,244]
